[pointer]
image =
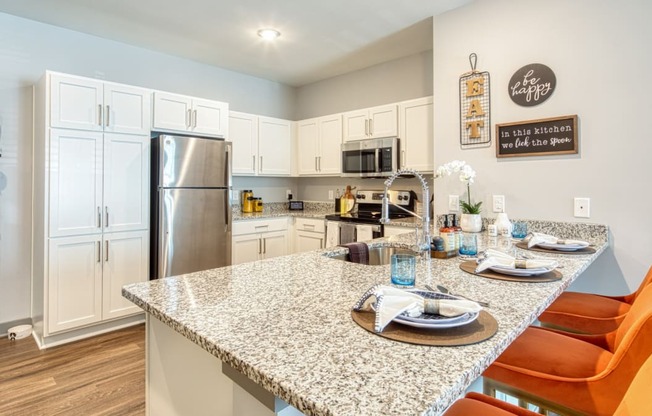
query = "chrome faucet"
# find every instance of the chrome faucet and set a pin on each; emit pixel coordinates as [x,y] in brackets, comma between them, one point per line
[423,245]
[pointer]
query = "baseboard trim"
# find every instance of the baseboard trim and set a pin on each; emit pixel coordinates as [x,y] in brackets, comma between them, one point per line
[87,332]
[4,326]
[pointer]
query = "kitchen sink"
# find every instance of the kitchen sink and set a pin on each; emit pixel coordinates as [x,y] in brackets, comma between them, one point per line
[379,256]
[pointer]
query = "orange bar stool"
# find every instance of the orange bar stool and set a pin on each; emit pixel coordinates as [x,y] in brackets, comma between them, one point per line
[575,373]
[635,402]
[589,313]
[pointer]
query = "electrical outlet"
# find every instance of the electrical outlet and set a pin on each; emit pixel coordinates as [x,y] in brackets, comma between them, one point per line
[288,193]
[453,202]
[499,203]
[330,194]
[582,208]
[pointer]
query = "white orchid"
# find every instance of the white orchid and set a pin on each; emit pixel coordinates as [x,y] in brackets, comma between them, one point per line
[467,175]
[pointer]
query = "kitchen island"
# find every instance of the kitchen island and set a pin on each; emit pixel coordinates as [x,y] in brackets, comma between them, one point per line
[282,329]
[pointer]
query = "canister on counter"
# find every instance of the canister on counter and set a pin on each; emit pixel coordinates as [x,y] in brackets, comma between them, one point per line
[258,204]
[247,201]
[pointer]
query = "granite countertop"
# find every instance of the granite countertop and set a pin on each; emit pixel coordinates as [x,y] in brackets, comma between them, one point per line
[285,323]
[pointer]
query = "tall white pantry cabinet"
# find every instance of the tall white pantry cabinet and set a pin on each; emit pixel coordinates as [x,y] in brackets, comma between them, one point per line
[90,205]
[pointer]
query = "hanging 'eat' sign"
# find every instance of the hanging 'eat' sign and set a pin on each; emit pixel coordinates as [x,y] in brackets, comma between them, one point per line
[532,85]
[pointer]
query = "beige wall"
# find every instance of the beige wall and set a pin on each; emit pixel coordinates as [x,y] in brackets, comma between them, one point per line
[599,51]
[401,79]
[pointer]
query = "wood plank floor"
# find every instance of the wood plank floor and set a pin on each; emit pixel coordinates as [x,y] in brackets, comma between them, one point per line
[103,375]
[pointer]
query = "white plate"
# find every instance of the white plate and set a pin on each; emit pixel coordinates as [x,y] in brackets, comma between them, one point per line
[520,272]
[563,247]
[429,321]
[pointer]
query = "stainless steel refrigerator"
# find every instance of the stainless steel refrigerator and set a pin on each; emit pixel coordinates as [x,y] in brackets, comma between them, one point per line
[191,205]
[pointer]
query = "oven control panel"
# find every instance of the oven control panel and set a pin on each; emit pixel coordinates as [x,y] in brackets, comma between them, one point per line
[403,198]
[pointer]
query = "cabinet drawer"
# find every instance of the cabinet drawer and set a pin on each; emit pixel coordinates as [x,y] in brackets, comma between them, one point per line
[310,224]
[260,226]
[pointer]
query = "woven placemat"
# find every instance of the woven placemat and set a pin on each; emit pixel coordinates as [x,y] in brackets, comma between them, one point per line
[479,330]
[469,267]
[585,250]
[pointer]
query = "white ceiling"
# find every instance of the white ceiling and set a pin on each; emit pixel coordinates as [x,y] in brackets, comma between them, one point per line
[320,39]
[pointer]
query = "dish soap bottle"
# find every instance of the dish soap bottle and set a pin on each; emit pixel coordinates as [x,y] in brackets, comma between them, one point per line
[347,201]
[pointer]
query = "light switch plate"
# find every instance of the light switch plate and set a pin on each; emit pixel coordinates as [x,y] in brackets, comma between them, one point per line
[582,208]
[330,194]
[499,203]
[453,202]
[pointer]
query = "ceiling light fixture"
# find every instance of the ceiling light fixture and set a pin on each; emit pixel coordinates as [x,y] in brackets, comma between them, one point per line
[269,34]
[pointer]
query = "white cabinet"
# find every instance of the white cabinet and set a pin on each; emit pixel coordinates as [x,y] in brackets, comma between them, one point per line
[319,142]
[309,234]
[86,275]
[98,182]
[262,146]
[259,239]
[75,282]
[125,261]
[417,134]
[88,104]
[179,113]
[370,123]
[90,205]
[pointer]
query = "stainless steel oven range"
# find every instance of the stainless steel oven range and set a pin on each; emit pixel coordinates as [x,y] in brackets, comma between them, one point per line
[364,223]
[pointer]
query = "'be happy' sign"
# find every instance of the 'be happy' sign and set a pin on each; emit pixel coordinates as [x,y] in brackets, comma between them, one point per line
[531,85]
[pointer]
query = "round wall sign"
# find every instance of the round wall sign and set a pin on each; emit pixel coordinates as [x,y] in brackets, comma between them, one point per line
[532,85]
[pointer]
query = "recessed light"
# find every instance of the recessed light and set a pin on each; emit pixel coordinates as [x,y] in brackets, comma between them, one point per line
[269,34]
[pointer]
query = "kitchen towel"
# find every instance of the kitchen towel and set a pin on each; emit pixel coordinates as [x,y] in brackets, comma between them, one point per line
[391,302]
[332,234]
[364,232]
[498,258]
[538,238]
[358,252]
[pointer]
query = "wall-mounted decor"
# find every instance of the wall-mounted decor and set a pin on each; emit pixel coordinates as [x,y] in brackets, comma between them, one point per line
[546,136]
[532,85]
[475,102]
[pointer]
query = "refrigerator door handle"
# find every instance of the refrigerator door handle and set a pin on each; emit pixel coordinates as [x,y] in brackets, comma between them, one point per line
[229,185]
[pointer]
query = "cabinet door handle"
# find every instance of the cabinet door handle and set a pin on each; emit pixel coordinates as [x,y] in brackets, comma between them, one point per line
[260,165]
[319,163]
[316,169]
[321,243]
[188,115]
[366,127]
[194,118]
[106,251]
[108,115]
[260,246]
[371,127]
[106,216]
[99,115]
[253,162]
[99,217]
[99,251]
[264,245]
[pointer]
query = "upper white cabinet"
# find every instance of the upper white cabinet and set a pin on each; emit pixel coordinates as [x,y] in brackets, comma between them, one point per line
[88,104]
[262,146]
[179,113]
[375,122]
[319,143]
[416,134]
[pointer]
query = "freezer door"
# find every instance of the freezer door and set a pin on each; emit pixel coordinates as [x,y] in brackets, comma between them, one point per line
[194,231]
[192,162]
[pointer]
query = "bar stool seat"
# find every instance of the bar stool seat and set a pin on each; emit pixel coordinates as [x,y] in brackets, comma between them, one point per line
[575,373]
[635,402]
[590,313]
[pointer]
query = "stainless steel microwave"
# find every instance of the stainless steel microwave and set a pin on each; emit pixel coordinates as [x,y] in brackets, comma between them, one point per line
[370,158]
